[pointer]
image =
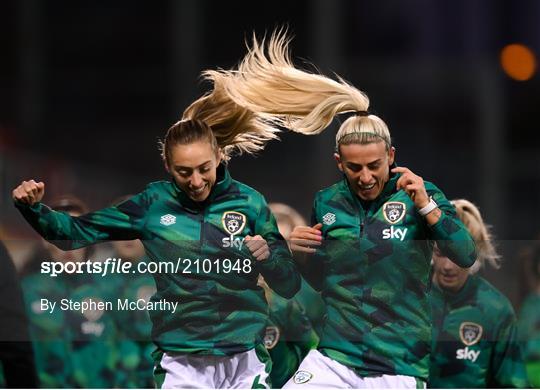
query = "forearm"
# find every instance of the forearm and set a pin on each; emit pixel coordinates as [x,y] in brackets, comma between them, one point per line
[67,232]
[281,275]
[49,224]
[453,240]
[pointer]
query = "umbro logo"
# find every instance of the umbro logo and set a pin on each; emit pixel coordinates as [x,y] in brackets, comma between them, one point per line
[167,219]
[329,218]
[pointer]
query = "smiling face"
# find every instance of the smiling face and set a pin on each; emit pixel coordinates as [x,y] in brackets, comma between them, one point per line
[446,274]
[194,168]
[366,167]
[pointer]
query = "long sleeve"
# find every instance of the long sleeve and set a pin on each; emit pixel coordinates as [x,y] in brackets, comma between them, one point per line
[279,271]
[311,266]
[452,237]
[121,222]
[508,367]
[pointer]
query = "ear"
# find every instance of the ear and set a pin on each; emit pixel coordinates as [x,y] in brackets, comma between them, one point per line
[337,157]
[391,155]
[166,166]
[219,156]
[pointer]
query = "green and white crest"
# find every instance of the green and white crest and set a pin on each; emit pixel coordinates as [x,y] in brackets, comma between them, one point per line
[394,212]
[233,222]
[271,337]
[470,333]
[302,377]
[92,314]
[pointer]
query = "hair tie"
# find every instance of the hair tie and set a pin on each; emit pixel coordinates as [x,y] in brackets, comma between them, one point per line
[361,113]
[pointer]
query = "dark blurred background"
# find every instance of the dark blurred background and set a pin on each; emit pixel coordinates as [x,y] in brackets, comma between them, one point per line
[88,88]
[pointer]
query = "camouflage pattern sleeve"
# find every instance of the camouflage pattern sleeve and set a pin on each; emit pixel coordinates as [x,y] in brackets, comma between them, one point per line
[529,336]
[452,237]
[279,270]
[312,266]
[507,362]
[121,222]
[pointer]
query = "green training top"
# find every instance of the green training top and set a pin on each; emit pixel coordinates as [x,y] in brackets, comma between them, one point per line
[373,270]
[220,309]
[289,338]
[474,339]
[529,332]
[66,342]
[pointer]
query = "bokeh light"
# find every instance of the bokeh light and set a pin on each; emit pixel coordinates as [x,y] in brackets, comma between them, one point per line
[518,62]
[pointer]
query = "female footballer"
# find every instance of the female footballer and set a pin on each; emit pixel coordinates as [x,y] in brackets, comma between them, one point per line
[370,244]
[220,235]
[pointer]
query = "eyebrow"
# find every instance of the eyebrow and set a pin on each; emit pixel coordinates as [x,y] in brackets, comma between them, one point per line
[350,163]
[177,167]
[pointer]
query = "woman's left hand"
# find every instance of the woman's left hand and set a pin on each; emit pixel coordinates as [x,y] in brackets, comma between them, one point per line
[258,247]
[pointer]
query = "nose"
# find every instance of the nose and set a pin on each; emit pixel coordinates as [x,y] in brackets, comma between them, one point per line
[447,264]
[364,176]
[196,180]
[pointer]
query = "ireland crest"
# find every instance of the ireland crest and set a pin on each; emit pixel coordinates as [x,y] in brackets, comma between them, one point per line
[394,212]
[233,222]
[470,333]
[271,337]
[302,377]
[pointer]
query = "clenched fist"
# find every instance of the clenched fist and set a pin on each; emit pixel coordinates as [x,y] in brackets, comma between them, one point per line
[29,192]
[258,247]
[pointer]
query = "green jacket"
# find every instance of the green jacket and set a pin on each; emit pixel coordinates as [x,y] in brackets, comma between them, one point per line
[529,332]
[135,368]
[67,342]
[474,341]
[221,310]
[289,337]
[373,270]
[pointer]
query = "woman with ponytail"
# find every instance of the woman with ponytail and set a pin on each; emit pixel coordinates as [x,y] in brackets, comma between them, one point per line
[208,314]
[369,245]
[475,342]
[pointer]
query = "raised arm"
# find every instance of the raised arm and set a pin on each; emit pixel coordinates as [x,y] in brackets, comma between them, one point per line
[121,222]
[445,228]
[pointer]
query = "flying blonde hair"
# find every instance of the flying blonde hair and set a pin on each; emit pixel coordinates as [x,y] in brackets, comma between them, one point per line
[267,82]
[469,214]
[236,129]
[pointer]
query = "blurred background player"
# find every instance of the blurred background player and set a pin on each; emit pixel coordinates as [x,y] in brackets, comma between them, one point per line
[17,368]
[135,346]
[529,321]
[475,341]
[290,334]
[72,349]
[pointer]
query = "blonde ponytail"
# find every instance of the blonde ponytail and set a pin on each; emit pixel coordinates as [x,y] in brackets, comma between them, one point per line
[469,214]
[236,129]
[267,82]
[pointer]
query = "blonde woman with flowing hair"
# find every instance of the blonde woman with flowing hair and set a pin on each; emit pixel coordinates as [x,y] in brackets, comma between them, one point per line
[369,245]
[475,342]
[208,316]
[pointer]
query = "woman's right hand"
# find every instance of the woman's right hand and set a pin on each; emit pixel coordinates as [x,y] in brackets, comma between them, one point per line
[303,238]
[29,192]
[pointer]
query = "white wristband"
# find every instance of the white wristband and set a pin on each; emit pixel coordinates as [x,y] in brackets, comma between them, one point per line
[429,208]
